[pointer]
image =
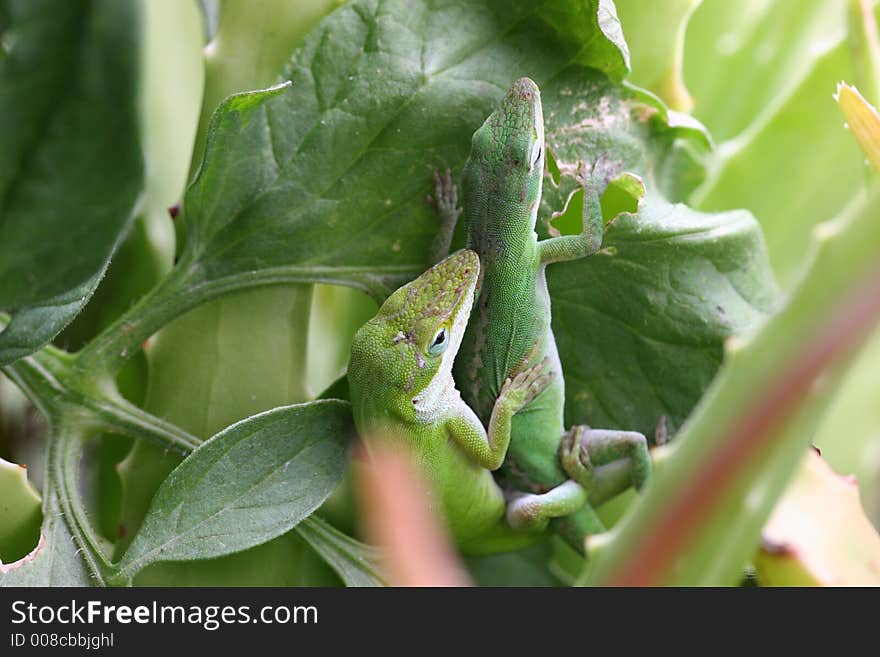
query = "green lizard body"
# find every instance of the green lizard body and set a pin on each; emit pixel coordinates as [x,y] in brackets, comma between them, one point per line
[510,326]
[402,392]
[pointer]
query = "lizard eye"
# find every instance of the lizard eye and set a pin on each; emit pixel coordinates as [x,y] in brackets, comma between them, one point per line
[536,154]
[438,344]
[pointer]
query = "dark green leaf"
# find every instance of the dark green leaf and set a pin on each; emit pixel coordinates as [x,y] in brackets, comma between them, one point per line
[70,163]
[640,326]
[33,326]
[327,180]
[246,485]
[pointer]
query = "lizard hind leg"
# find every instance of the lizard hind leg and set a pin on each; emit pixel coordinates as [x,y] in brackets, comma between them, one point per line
[605,462]
[533,512]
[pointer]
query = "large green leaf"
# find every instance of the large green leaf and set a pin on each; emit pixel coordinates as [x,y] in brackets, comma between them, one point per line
[246,485]
[70,163]
[700,519]
[326,181]
[640,326]
[742,58]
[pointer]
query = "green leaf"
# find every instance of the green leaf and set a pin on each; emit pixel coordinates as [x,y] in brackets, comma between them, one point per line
[249,48]
[284,561]
[33,326]
[347,153]
[352,560]
[70,163]
[670,283]
[699,520]
[246,485]
[640,326]
[19,513]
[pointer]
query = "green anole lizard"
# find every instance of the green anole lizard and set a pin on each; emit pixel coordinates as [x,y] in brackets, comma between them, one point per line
[510,327]
[402,392]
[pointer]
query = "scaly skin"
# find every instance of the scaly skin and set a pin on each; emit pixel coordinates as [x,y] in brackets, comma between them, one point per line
[402,392]
[510,326]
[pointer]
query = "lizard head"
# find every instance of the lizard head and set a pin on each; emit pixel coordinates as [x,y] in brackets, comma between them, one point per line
[401,360]
[506,162]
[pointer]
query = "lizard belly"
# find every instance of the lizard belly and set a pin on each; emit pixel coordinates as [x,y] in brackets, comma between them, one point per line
[511,328]
[532,462]
[473,502]
[506,318]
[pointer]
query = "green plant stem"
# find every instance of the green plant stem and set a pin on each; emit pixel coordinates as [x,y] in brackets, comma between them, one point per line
[50,383]
[121,417]
[177,293]
[64,454]
[99,361]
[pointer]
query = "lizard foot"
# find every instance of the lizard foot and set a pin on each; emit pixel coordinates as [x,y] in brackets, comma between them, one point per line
[444,202]
[521,388]
[575,457]
[605,461]
[604,170]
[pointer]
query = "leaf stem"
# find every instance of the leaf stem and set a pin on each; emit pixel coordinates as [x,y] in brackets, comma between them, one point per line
[107,352]
[69,450]
[180,291]
[48,381]
[125,418]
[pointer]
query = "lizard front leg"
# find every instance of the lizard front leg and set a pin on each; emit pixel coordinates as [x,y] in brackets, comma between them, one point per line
[605,462]
[489,447]
[589,240]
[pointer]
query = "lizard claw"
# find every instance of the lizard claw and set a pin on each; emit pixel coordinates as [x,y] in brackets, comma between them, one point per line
[444,201]
[524,386]
[574,456]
